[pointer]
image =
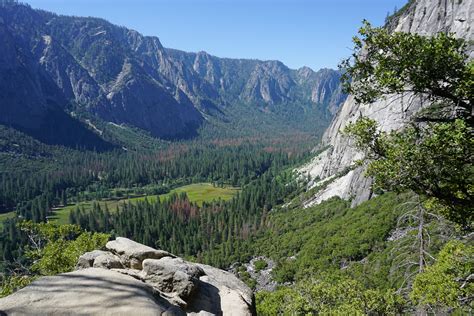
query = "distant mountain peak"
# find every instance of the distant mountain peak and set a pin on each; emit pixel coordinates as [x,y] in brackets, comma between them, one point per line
[121,76]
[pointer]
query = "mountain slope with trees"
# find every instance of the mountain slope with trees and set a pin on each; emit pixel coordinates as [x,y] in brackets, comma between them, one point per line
[88,68]
[424,263]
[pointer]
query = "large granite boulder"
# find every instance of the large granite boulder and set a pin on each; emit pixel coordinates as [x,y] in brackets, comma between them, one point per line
[99,259]
[87,259]
[108,261]
[174,276]
[133,253]
[221,290]
[133,279]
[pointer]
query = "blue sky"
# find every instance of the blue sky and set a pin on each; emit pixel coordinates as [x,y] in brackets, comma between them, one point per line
[314,33]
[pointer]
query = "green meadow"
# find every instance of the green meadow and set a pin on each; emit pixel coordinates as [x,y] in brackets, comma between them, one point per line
[197,193]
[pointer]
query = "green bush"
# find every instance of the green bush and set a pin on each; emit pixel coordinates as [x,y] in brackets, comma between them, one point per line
[61,255]
[260,265]
[245,276]
[53,249]
[11,284]
[447,284]
[340,297]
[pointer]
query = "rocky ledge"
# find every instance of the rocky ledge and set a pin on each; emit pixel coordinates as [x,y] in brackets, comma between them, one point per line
[133,279]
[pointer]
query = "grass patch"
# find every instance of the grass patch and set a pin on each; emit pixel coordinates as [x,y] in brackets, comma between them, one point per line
[260,265]
[204,192]
[197,193]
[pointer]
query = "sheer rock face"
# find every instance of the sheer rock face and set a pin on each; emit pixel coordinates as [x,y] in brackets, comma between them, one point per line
[112,282]
[121,76]
[263,83]
[425,17]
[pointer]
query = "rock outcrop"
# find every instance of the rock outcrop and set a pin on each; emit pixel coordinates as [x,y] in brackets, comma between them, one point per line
[129,278]
[425,17]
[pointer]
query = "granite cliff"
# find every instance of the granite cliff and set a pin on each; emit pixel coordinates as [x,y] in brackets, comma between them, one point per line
[335,162]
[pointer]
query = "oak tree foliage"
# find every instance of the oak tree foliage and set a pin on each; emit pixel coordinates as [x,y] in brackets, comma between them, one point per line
[433,154]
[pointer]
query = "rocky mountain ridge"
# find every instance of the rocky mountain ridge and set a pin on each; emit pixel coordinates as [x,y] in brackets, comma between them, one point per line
[338,156]
[64,63]
[131,278]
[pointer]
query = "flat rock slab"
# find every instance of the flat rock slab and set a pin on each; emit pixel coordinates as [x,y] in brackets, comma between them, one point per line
[84,292]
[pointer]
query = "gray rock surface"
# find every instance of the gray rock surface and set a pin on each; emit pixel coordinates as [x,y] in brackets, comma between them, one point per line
[108,261]
[221,292]
[84,292]
[87,259]
[164,284]
[263,277]
[174,276]
[132,253]
[424,17]
[168,264]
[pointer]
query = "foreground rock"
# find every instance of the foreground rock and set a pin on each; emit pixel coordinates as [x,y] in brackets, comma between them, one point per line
[133,279]
[133,253]
[89,291]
